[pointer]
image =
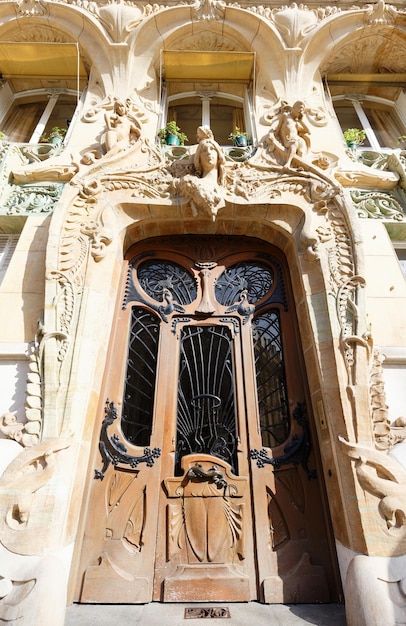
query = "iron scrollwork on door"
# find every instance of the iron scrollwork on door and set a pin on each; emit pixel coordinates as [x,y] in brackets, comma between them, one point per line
[168,286]
[114,451]
[206,421]
[297,449]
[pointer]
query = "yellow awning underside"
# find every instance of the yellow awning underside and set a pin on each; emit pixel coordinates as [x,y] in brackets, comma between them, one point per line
[372,79]
[19,59]
[182,65]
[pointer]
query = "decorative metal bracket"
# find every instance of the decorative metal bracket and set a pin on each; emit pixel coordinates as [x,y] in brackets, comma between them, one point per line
[114,451]
[296,451]
[212,475]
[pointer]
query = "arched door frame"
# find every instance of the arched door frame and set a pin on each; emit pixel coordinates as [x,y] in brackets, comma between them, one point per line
[309,326]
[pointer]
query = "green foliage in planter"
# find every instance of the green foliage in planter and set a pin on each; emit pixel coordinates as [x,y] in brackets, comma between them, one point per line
[54,132]
[172,129]
[355,135]
[237,133]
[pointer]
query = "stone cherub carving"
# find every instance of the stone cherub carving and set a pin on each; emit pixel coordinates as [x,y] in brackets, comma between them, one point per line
[11,429]
[291,136]
[205,186]
[122,129]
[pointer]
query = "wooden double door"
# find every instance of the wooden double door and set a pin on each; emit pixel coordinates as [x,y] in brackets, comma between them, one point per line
[204,484]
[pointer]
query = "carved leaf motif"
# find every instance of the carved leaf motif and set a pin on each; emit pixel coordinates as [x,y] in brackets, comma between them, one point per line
[218,535]
[119,484]
[125,510]
[234,515]
[376,205]
[291,481]
[277,524]
[195,518]
[294,22]
[175,527]
[136,522]
[213,527]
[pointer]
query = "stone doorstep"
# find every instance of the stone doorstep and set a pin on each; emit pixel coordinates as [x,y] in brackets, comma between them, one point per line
[172,614]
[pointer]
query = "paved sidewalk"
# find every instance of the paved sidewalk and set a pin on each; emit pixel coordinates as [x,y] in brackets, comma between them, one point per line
[247,614]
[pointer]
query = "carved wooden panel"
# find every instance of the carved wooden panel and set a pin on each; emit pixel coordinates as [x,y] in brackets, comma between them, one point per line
[206,530]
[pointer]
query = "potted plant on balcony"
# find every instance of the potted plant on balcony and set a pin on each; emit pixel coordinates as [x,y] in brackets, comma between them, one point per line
[55,137]
[401,142]
[238,137]
[354,137]
[171,135]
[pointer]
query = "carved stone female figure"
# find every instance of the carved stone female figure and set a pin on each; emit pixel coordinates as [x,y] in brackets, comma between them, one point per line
[205,187]
[121,129]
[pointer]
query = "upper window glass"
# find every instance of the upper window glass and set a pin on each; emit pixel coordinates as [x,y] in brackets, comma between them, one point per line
[22,119]
[380,121]
[220,114]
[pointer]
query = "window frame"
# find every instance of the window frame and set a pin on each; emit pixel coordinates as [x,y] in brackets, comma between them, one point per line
[356,101]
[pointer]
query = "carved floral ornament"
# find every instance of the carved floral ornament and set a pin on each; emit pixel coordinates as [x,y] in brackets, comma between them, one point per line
[292,21]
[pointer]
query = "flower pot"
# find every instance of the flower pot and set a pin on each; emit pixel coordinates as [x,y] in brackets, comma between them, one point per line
[56,140]
[172,140]
[241,141]
[351,144]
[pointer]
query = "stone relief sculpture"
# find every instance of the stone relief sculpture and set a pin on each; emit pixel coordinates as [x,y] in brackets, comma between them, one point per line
[25,500]
[11,429]
[377,205]
[383,477]
[204,187]
[33,198]
[386,434]
[291,137]
[28,569]
[122,129]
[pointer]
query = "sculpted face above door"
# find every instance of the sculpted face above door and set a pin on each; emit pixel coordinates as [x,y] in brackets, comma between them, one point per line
[202,496]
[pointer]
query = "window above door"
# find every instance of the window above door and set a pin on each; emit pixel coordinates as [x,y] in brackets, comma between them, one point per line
[208,89]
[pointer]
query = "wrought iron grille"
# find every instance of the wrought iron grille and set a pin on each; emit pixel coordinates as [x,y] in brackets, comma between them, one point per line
[206,421]
[256,278]
[155,276]
[270,379]
[139,391]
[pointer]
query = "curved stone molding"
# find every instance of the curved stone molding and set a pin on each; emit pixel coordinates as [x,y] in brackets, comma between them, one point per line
[383,579]
[383,477]
[26,503]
